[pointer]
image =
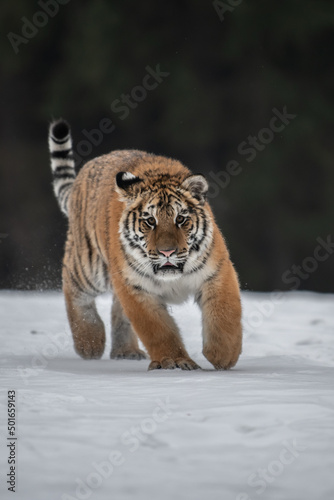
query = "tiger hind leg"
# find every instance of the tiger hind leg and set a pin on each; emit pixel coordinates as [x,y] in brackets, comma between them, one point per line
[86,325]
[124,340]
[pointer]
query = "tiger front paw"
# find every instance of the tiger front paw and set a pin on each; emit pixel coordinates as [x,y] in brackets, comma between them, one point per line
[223,360]
[171,364]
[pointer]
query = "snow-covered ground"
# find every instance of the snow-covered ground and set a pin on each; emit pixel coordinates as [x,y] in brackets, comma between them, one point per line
[111,430]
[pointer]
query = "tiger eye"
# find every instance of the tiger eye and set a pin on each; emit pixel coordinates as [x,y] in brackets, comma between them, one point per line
[151,221]
[179,219]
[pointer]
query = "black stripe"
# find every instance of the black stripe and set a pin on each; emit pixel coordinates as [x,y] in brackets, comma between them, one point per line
[66,185]
[197,242]
[63,153]
[77,277]
[132,244]
[205,226]
[64,168]
[99,248]
[134,218]
[218,268]
[107,226]
[198,268]
[203,261]
[64,201]
[63,175]
[196,224]
[90,249]
[137,288]
[126,222]
[139,209]
[194,248]
[88,282]
[207,299]
[63,196]
[76,282]
[60,141]
[132,263]
[105,272]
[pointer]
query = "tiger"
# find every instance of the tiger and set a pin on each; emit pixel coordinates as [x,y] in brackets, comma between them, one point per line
[140,225]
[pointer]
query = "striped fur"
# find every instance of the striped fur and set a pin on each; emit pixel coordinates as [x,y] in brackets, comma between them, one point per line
[62,161]
[140,225]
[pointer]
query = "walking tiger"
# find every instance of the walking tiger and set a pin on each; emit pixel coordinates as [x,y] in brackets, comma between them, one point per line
[140,224]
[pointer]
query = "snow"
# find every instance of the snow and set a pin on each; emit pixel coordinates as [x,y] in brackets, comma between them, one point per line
[111,429]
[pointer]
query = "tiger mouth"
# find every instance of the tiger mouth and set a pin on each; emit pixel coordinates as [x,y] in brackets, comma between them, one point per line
[169,267]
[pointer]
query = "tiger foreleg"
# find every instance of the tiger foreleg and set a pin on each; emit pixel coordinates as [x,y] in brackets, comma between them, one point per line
[221,309]
[156,329]
[124,340]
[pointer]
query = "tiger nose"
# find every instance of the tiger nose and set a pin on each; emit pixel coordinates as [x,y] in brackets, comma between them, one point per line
[168,252]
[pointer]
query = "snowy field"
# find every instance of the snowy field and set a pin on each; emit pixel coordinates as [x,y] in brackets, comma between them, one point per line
[111,430]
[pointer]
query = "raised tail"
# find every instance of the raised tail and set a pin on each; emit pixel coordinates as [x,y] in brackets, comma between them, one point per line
[62,161]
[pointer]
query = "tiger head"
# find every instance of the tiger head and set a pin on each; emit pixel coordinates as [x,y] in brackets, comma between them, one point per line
[165,227]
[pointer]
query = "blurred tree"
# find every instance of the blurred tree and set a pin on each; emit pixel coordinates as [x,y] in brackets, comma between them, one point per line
[225,79]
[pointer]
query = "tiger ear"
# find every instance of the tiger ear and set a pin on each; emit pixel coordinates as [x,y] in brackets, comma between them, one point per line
[197,186]
[126,184]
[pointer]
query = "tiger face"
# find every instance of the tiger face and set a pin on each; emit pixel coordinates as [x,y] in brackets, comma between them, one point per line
[164,229]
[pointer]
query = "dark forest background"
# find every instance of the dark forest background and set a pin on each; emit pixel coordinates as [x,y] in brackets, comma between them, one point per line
[231,67]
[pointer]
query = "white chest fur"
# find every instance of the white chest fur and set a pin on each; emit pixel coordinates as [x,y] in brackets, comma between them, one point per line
[173,291]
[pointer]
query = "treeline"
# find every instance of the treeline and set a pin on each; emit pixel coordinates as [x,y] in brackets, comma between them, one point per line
[240,91]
